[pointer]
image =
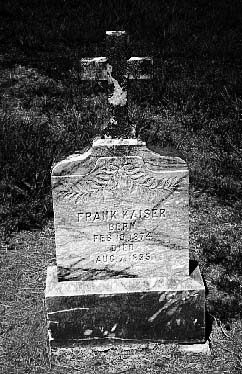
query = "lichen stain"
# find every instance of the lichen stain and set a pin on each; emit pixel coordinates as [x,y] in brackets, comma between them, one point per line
[87,332]
[119,96]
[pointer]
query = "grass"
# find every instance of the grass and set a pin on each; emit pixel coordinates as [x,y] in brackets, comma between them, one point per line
[45,114]
[23,347]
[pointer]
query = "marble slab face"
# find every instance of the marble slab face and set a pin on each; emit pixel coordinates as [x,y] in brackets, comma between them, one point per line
[120,210]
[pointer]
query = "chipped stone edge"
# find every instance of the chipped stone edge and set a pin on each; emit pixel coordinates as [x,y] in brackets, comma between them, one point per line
[199,348]
[115,286]
[98,142]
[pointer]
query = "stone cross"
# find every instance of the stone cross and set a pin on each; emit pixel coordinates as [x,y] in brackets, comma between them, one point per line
[116,69]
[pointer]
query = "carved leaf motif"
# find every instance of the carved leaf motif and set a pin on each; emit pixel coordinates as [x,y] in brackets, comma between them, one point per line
[168,183]
[118,177]
[136,173]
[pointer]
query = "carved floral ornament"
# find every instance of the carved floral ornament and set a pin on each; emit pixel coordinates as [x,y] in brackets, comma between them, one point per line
[118,178]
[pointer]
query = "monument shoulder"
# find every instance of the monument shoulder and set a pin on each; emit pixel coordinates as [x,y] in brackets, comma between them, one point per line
[82,163]
[71,165]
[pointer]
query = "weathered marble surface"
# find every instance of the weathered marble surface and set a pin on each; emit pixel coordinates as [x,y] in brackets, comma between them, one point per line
[120,210]
[168,310]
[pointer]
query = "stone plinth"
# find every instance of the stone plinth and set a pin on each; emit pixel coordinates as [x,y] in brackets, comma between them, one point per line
[122,248]
[161,309]
[121,210]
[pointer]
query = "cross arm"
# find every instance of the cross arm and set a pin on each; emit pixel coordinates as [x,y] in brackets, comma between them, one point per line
[140,68]
[94,68]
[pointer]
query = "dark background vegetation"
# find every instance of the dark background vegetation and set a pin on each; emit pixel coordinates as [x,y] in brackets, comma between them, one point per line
[196,108]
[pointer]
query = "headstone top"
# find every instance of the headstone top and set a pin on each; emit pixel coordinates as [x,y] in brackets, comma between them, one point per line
[115,142]
[117,33]
[140,58]
[118,148]
[95,59]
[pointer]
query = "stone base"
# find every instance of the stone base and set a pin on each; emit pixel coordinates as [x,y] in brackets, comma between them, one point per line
[200,348]
[154,309]
[58,349]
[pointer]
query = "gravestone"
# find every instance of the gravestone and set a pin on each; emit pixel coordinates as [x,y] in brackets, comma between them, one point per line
[120,211]
[122,238]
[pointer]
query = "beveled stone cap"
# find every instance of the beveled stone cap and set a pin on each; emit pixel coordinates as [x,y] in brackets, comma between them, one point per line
[108,142]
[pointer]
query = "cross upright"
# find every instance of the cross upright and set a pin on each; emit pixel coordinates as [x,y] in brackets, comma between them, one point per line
[117,69]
